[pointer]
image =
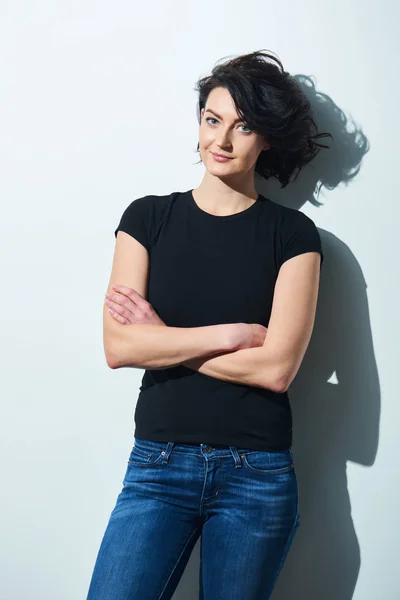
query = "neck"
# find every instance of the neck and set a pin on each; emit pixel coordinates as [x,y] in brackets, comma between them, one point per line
[218,197]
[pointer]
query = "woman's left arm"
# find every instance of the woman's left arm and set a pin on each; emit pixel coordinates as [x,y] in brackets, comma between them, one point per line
[275,364]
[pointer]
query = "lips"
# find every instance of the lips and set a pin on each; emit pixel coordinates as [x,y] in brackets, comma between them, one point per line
[221,155]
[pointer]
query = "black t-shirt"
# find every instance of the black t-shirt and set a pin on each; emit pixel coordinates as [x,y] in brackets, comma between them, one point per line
[206,270]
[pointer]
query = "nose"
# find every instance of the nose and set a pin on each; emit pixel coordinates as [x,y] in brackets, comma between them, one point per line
[222,139]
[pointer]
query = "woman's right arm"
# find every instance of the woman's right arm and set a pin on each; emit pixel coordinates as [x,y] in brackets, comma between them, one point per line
[161,347]
[153,346]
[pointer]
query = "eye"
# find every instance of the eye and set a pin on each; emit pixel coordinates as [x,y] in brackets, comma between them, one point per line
[245,126]
[249,130]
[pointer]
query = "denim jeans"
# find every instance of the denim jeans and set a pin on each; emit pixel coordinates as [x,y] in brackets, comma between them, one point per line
[243,504]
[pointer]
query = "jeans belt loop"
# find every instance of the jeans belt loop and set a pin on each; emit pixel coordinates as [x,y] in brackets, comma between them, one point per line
[166,453]
[236,457]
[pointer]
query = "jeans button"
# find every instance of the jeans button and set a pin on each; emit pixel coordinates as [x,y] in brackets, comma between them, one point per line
[207,449]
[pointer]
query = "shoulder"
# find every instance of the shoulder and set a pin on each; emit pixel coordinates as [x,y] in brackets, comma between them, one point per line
[150,201]
[289,218]
[150,205]
[143,216]
[296,233]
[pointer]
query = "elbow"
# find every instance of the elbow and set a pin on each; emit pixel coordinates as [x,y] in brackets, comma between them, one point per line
[112,363]
[278,382]
[279,385]
[113,356]
[285,379]
[282,386]
[278,373]
[116,359]
[112,359]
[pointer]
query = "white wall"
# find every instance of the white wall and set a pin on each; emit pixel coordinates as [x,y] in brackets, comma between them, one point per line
[97,107]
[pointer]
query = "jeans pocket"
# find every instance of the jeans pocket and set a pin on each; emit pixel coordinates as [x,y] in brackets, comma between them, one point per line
[141,458]
[269,462]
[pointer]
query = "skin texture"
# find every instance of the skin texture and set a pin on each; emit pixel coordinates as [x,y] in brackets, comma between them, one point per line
[129,308]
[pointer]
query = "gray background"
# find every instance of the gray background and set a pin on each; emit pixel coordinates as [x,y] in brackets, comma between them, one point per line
[97,107]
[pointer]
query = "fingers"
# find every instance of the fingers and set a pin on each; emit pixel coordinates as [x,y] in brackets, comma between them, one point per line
[120,303]
[129,292]
[117,307]
[130,305]
[116,316]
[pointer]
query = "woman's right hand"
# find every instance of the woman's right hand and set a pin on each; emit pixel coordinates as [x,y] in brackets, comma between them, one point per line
[248,335]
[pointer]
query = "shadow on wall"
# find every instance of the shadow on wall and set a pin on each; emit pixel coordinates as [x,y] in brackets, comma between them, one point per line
[335,396]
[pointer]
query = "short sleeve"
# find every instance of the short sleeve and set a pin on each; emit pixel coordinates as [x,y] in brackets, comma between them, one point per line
[135,221]
[301,236]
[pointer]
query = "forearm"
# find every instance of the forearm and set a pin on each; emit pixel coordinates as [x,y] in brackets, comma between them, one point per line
[162,347]
[248,366]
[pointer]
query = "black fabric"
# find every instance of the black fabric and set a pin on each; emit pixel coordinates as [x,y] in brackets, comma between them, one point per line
[205,270]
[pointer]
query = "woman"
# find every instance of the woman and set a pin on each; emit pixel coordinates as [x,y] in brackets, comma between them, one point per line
[222,321]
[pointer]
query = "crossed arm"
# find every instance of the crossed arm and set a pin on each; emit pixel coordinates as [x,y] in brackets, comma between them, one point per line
[275,364]
[249,366]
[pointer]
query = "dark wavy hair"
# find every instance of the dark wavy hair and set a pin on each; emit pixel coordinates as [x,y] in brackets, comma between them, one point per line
[272,103]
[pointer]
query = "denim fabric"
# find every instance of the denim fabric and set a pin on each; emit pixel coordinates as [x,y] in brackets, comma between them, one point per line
[243,504]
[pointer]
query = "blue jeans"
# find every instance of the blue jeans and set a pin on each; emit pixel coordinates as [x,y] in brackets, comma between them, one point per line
[243,503]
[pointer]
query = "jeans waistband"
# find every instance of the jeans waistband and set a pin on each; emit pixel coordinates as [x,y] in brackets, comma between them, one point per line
[199,449]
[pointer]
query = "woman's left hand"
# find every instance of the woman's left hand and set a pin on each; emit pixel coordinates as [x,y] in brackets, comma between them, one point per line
[128,307]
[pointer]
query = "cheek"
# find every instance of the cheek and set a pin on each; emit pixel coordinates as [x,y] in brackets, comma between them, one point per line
[251,155]
[206,139]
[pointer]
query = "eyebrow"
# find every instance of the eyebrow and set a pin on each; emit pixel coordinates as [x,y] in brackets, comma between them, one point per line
[219,116]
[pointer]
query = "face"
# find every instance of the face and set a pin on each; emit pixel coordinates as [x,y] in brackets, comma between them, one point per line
[222,132]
